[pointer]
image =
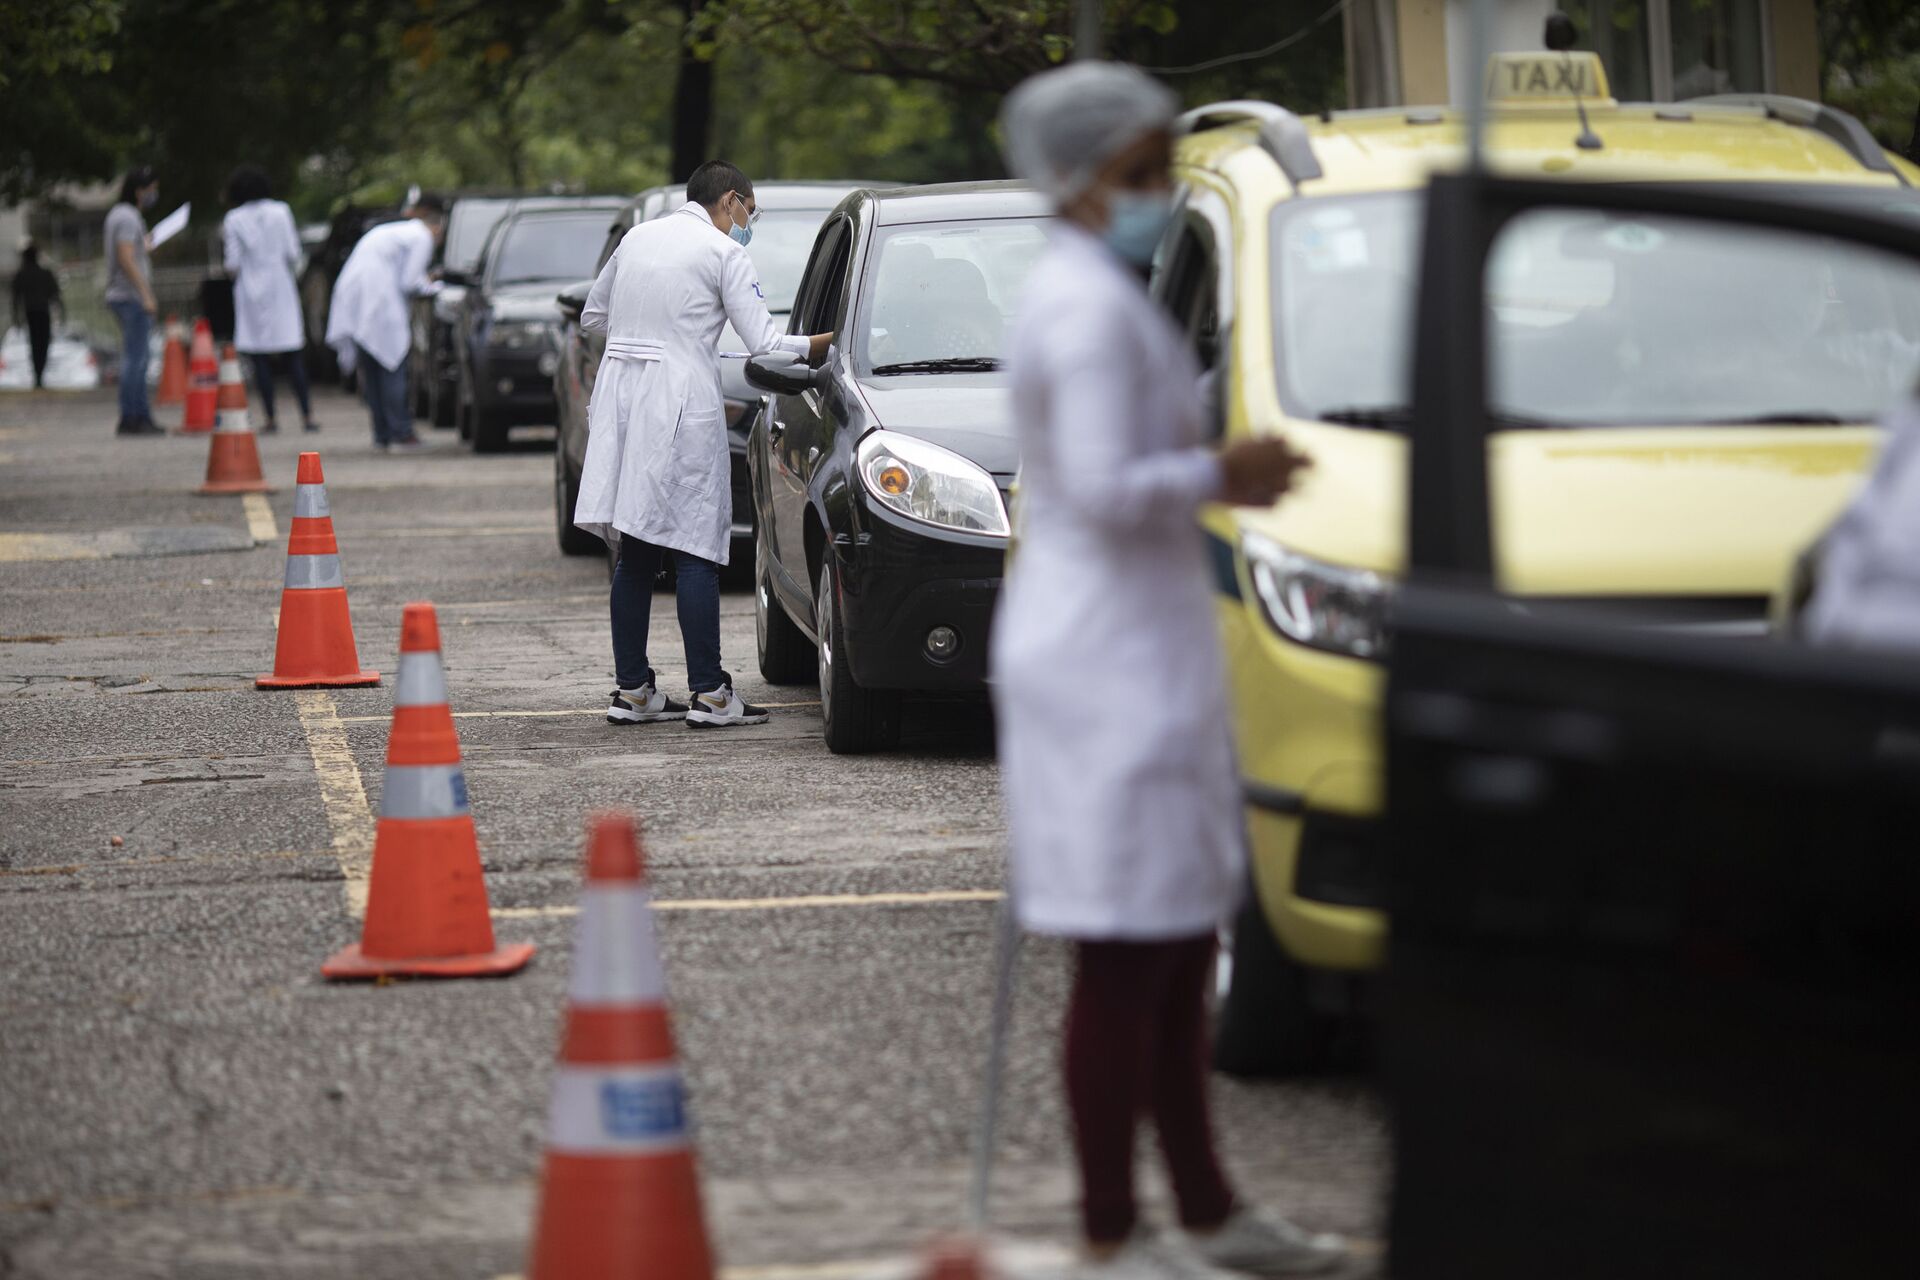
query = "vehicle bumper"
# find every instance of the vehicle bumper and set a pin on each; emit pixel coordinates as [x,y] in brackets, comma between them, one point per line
[900,580]
[511,386]
[1307,725]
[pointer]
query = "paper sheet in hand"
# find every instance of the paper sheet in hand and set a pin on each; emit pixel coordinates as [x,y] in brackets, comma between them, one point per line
[170,226]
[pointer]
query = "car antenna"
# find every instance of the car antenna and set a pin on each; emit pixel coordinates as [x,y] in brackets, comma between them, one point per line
[1561,36]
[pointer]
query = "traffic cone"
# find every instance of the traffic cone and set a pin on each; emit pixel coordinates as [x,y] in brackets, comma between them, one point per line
[426,901]
[316,634]
[203,381]
[173,366]
[620,1195]
[957,1258]
[233,457]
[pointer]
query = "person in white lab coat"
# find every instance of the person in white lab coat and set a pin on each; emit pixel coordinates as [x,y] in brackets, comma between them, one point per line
[1117,766]
[262,258]
[1867,590]
[367,323]
[655,480]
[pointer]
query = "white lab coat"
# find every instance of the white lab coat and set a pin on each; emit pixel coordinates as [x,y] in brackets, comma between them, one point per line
[1868,589]
[1117,765]
[656,464]
[262,257]
[369,307]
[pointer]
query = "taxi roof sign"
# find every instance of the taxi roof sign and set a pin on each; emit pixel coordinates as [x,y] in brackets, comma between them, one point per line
[1547,77]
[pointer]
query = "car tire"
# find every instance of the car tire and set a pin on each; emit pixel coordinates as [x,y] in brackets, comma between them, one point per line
[574,541]
[855,720]
[785,655]
[1268,1025]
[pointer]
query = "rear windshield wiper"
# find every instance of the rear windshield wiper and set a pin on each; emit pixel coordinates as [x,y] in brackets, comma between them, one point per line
[951,364]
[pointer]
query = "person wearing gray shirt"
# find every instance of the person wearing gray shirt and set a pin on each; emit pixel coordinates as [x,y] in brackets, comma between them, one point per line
[130,296]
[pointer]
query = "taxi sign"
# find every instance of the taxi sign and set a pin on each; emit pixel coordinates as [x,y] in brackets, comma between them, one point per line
[1546,77]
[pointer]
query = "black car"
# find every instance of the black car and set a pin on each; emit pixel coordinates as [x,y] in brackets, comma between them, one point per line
[432,370]
[790,214]
[322,270]
[506,329]
[880,480]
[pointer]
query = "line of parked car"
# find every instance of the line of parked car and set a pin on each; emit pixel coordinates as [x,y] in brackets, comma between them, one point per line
[1668,442]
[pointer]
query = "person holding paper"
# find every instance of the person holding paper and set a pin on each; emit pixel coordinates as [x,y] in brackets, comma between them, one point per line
[130,295]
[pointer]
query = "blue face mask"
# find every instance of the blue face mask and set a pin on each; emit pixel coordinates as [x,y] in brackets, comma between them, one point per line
[742,235]
[1135,222]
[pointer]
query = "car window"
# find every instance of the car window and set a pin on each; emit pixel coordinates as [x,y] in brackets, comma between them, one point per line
[615,234]
[1189,282]
[468,225]
[547,247]
[826,256]
[945,290]
[1597,321]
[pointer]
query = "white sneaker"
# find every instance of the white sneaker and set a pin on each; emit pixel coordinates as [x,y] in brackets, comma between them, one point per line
[719,707]
[1259,1242]
[1149,1256]
[645,705]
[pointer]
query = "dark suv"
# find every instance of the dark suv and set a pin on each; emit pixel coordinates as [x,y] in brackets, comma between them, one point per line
[879,480]
[790,214]
[506,339]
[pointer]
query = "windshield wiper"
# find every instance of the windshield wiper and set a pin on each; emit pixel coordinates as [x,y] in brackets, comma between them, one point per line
[1798,417]
[950,364]
[1370,415]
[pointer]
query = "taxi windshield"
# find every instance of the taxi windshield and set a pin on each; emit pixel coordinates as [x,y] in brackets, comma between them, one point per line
[1598,321]
[943,293]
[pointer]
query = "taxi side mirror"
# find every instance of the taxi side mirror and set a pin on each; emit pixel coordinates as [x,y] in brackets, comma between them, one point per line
[784,373]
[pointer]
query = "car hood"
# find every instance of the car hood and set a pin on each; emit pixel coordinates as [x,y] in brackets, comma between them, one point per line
[969,413]
[527,301]
[1718,511]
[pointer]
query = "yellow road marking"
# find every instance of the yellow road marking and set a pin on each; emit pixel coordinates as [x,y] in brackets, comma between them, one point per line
[342,794]
[260,522]
[538,715]
[47,546]
[805,901]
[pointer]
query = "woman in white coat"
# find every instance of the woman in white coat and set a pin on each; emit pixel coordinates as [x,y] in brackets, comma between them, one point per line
[263,258]
[1116,761]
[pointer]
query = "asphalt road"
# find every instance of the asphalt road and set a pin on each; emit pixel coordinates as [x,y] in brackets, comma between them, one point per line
[182,1095]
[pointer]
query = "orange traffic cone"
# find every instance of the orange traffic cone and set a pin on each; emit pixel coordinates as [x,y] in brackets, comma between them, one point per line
[316,633]
[233,457]
[959,1258]
[620,1195]
[173,366]
[203,381]
[426,900]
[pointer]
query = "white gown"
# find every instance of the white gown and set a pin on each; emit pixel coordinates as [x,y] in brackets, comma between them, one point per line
[369,306]
[1868,591]
[656,464]
[263,258]
[1117,764]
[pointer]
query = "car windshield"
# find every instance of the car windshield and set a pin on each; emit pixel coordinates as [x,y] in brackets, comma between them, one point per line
[942,293]
[1596,320]
[781,241]
[549,247]
[468,225]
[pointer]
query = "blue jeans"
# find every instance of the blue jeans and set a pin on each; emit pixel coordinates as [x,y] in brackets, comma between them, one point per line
[296,366]
[386,393]
[135,325]
[698,594]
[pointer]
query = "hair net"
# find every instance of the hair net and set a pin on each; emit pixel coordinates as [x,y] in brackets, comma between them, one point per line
[1062,125]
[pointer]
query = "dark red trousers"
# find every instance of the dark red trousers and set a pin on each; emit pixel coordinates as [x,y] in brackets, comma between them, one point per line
[1137,1045]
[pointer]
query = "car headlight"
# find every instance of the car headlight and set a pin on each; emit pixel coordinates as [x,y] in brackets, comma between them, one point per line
[1319,605]
[519,335]
[927,483]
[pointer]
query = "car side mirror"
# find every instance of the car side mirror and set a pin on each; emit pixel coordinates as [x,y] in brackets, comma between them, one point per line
[783,373]
[573,300]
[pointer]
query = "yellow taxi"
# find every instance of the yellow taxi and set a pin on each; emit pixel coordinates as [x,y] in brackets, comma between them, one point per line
[1623,480]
